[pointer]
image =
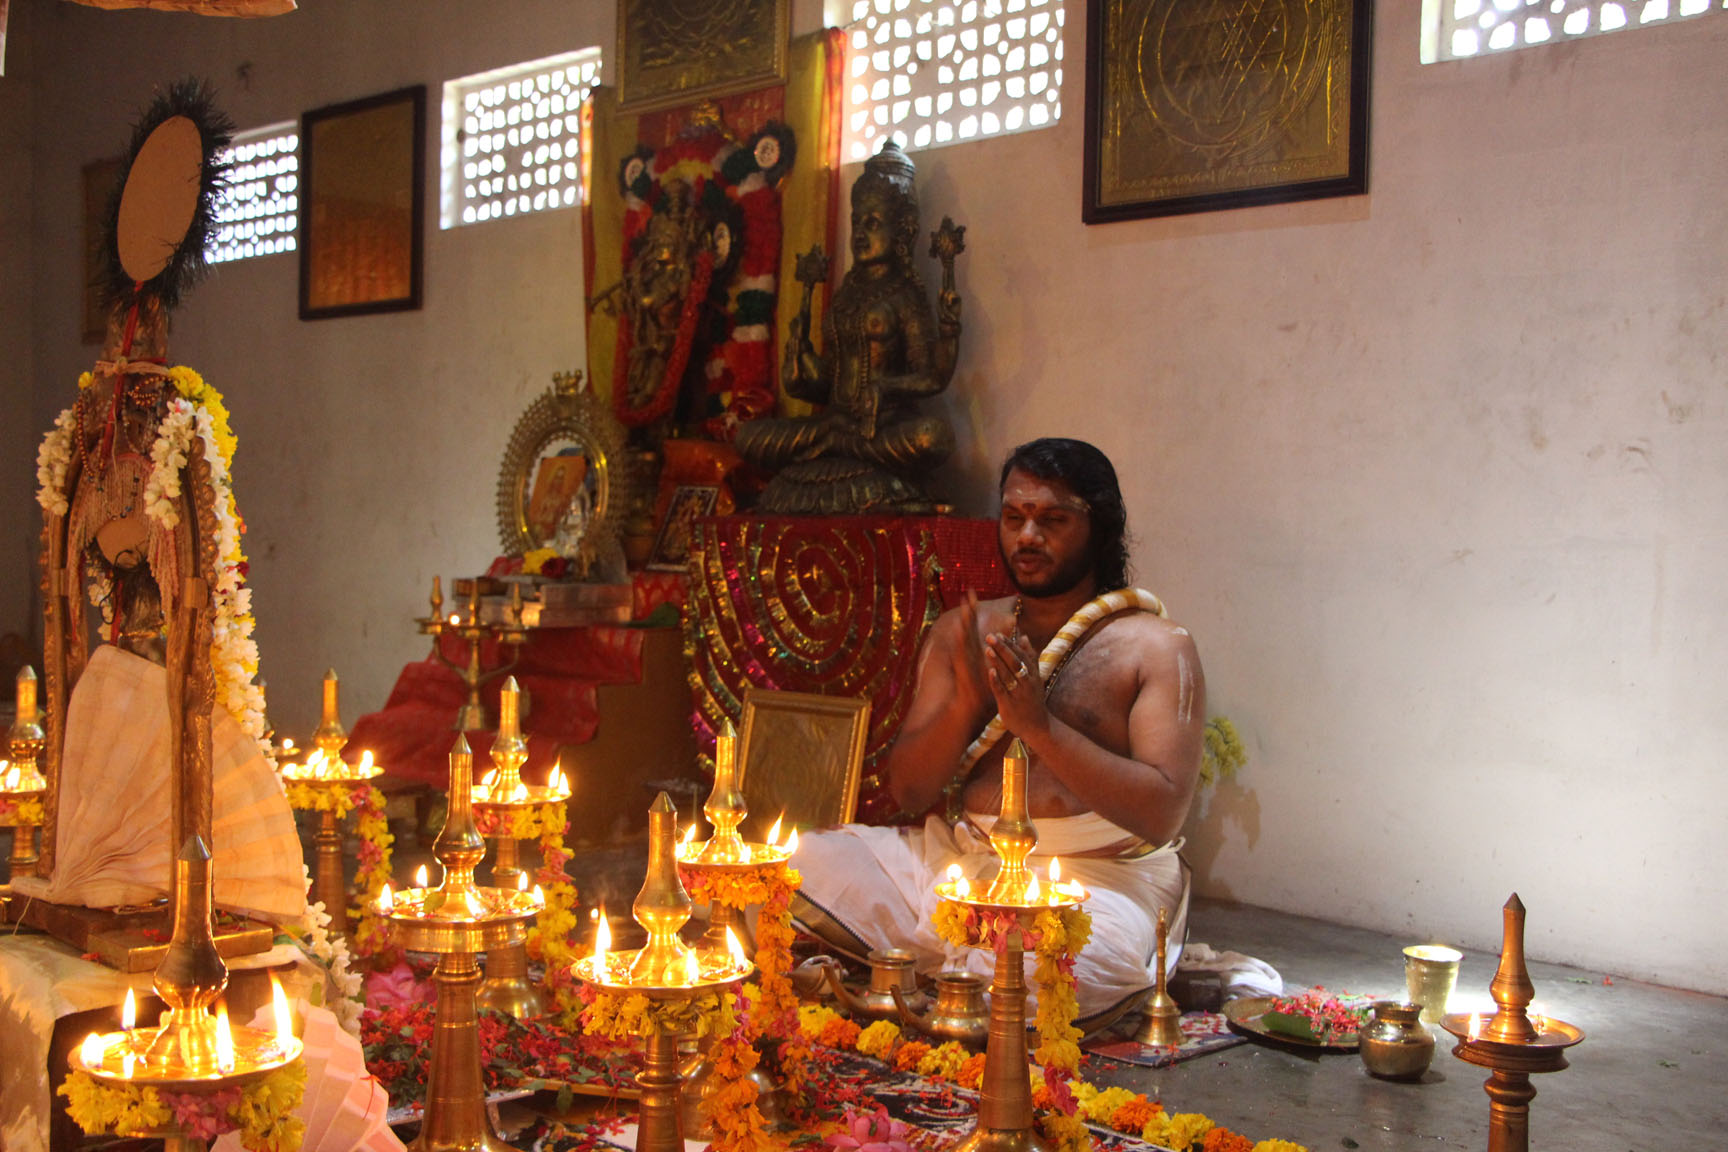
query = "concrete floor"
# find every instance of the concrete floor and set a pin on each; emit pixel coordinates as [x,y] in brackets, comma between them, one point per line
[1651,1074]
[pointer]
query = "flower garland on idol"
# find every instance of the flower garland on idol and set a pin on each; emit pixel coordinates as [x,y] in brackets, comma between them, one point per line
[549,938]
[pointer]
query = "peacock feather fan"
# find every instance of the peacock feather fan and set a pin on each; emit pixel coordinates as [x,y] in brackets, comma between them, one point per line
[196,100]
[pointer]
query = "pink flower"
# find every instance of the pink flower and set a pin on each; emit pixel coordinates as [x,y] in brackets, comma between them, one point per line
[876,1132]
[396,988]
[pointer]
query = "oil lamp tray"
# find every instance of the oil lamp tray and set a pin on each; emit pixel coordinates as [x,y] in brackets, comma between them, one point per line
[946,891]
[778,856]
[1545,1052]
[499,923]
[351,775]
[616,978]
[533,796]
[257,1054]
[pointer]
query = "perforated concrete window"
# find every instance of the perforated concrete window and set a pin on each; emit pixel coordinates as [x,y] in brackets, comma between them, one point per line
[934,72]
[1453,29]
[258,210]
[512,139]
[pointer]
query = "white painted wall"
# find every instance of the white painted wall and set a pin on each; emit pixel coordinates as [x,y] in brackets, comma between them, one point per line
[1434,475]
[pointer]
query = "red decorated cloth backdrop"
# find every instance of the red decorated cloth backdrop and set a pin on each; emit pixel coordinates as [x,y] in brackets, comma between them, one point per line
[560,669]
[830,605]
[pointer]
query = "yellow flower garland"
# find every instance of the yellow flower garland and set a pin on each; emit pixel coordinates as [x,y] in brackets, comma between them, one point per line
[22,813]
[371,936]
[263,1111]
[549,939]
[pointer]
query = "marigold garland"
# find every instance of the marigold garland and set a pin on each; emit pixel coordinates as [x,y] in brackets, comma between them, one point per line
[1065,1103]
[22,813]
[371,936]
[549,938]
[262,1111]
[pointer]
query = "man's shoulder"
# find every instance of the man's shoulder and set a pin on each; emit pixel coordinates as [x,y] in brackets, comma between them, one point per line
[1154,638]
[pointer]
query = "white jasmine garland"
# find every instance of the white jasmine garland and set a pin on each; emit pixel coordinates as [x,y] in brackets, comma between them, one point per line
[53,459]
[331,953]
[167,462]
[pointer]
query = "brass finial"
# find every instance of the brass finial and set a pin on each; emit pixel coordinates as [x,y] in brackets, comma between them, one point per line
[1511,986]
[662,906]
[191,975]
[568,383]
[725,807]
[459,847]
[25,739]
[509,749]
[331,737]
[1013,835]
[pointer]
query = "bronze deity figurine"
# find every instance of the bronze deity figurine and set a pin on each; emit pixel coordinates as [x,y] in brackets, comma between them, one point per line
[869,448]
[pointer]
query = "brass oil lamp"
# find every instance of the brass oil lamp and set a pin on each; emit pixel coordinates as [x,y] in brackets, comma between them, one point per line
[326,772]
[457,920]
[1005,1101]
[499,797]
[191,1050]
[726,851]
[20,776]
[1162,1027]
[663,969]
[467,625]
[1511,1045]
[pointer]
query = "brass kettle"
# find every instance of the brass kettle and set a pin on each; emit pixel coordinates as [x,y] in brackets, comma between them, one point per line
[891,974]
[959,1013]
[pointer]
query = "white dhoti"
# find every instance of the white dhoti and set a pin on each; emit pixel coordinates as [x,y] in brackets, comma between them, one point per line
[877,885]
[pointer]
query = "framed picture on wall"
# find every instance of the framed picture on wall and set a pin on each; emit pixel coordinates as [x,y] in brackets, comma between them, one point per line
[673,52]
[672,544]
[363,205]
[1193,106]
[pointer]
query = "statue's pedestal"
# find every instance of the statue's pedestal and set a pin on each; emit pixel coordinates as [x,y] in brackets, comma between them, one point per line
[834,605]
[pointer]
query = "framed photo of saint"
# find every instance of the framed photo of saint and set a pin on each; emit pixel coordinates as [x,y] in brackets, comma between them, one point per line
[672,545]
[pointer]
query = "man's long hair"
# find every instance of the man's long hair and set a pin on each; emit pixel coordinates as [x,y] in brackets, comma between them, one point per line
[1089,474]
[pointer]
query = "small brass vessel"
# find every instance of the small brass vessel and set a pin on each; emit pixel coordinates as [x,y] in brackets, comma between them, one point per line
[959,1014]
[1395,1044]
[892,979]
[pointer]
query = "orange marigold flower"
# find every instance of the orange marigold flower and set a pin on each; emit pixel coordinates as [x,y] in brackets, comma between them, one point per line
[906,1059]
[1134,1115]
[839,1033]
[971,1074]
[1224,1140]
[1041,1098]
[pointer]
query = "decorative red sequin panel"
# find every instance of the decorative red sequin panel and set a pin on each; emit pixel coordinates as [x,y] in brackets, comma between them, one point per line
[830,605]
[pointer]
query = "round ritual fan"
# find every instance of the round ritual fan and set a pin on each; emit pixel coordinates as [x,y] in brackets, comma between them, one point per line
[113,828]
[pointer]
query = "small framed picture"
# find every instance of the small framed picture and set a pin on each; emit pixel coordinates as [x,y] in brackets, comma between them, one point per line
[363,167]
[672,544]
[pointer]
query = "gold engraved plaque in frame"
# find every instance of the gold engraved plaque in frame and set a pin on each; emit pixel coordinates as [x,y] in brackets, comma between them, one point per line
[1196,105]
[800,756]
[673,52]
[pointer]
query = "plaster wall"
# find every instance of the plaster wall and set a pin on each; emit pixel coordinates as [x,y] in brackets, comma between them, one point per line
[1433,474]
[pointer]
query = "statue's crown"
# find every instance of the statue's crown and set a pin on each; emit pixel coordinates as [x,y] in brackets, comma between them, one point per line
[892,164]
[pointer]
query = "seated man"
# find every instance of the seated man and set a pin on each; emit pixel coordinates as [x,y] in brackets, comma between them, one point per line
[1115,738]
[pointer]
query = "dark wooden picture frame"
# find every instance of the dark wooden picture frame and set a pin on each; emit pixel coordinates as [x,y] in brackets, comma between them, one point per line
[668,57]
[1192,108]
[672,542]
[363,205]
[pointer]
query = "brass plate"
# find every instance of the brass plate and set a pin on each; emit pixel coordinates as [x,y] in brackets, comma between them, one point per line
[1245,1015]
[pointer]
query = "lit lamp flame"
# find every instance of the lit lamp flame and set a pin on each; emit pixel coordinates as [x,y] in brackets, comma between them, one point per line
[366,762]
[521,881]
[774,832]
[739,960]
[602,944]
[90,1052]
[129,1011]
[288,744]
[1475,1025]
[1032,892]
[792,842]
[1539,1018]
[692,968]
[284,1019]
[539,895]
[224,1038]
[386,898]
[422,878]
[487,781]
[12,777]
[455,619]
[557,781]
[1055,871]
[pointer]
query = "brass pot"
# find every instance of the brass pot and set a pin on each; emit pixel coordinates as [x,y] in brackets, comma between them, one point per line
[960,1012]
[1396,1045]
[891,971]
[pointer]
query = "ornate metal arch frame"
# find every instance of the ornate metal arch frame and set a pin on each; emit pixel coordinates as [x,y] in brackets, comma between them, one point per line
[566,411]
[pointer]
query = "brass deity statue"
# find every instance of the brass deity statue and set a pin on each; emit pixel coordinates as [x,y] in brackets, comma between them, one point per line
[869,449]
